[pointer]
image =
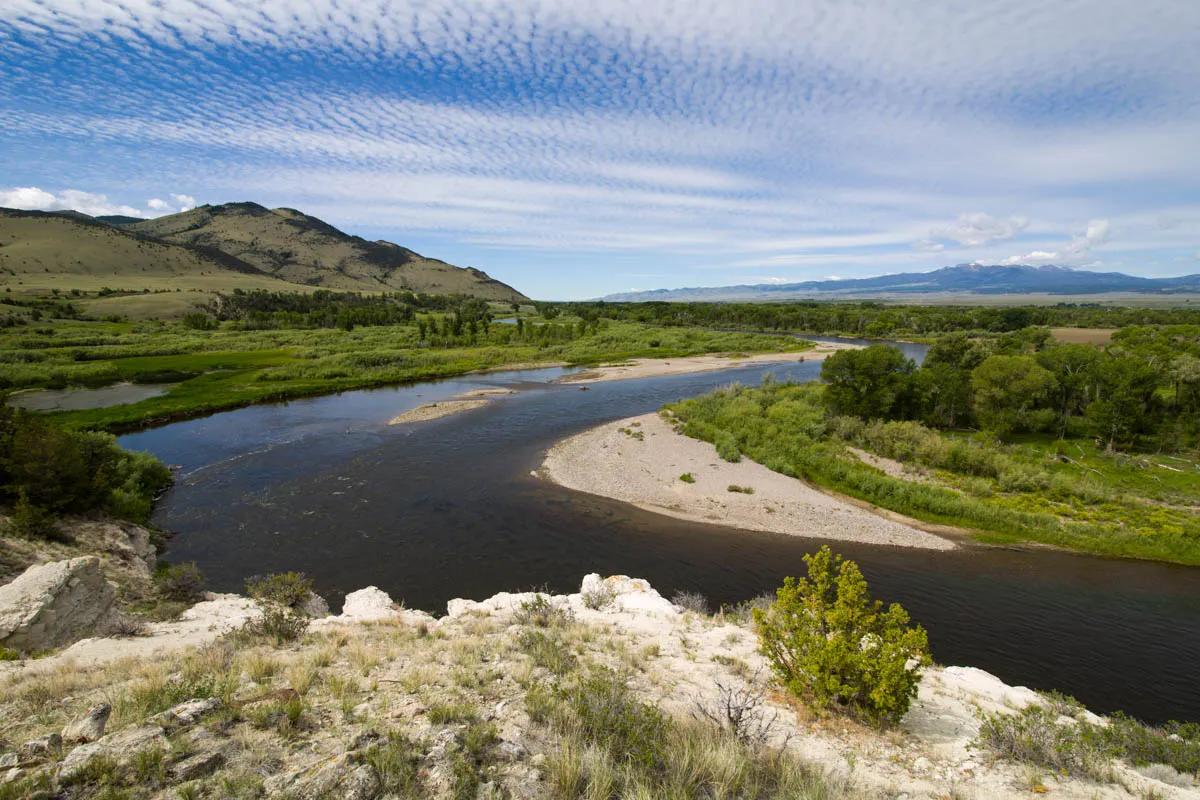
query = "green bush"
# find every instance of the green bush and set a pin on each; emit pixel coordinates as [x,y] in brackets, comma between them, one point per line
[727,447]
[182,583]
[288,589]
[830,643]
[31,522]
[687,477]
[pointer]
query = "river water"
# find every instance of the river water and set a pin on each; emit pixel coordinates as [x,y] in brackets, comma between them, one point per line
[448,508]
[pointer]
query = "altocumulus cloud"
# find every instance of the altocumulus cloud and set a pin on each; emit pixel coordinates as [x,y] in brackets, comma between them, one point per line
[803,136]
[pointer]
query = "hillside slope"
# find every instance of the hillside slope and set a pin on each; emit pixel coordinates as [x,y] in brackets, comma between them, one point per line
[69,243]
[298,248]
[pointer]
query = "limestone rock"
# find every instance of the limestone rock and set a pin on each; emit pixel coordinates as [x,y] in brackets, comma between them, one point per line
[89,727]
[52,605]
[186,713]
[8,760]
[371,603]
[121,747]
[41,748]
[629,594]
[197,766]
[313,606]
[340,777]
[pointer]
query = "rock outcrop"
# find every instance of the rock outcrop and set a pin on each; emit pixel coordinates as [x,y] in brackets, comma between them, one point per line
[52,605]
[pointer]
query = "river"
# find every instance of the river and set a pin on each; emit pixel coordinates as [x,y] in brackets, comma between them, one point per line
[448,508]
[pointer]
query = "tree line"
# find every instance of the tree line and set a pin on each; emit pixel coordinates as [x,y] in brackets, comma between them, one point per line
[1144,386]
[879,320]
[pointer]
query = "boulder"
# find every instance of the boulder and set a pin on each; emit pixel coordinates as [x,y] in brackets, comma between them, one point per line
[186,713]
[371,603]
[52,605]
[89,727]
[120,747]
[628,594]
[339,777]
[41,748]
[197,766]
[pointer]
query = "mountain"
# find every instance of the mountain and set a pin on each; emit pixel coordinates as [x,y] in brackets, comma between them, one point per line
[298,248]
[218,248]
[960,279]
[52,245]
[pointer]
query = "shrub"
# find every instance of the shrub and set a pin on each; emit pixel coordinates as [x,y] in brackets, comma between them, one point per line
[599,597]
[277,623]
[182,583]
[1037,735]
[727,447]
[28,521]
[829,642]
[687,477]
[541,613]
[733,487]
[610,716]
[692,601]
[288,589]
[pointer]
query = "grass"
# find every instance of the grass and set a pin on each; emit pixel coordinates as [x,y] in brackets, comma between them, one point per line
[1067,493]
[227,368]
[1056,737]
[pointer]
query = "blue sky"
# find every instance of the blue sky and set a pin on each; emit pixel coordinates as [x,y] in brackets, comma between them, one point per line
[575,149]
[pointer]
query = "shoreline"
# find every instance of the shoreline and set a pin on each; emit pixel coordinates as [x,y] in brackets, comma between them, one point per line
[709,362]
[640,460]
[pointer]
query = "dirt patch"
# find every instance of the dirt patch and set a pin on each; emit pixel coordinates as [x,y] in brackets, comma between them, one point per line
[1098,336]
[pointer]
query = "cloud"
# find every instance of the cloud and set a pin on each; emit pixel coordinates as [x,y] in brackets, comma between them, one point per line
[1079,248]
[978,228]
[34,198]
[179,202]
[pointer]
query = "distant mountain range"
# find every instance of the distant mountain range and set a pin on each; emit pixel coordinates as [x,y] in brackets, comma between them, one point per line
[233,241]
[961,279]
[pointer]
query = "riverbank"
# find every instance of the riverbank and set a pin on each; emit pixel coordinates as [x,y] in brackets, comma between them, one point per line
[661,367]
[642,460]
[382,701]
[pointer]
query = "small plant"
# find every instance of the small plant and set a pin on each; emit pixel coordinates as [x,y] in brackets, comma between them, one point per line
[687,477]
[447,713]
[539,612]
[733,487]
[277,623]
[7,654]
[692,601]
[1038,736]
[740,713]
[828,641]
[288,589]
[396,761]
[182,583]
[727,447]
[547,651]
[599,597]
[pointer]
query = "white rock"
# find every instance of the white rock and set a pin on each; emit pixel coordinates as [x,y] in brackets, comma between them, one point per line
[120,747]
[629,594]
[89,727]
[186,713]
[55,604]
[371,603]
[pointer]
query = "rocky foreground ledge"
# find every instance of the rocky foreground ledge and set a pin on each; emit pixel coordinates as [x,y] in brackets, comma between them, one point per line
[383,701]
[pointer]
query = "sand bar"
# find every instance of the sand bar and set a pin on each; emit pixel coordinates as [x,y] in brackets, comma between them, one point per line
[639,460]
[444,408]
[656,367]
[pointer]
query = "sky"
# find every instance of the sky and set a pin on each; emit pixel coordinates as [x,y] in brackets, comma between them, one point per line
[576,149]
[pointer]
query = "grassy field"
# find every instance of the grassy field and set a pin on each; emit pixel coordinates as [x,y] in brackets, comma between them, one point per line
[1096,336]
[226,368]
[1066,493]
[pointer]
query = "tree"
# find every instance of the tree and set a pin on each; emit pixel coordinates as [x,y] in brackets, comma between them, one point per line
[1125,406]
[1010,394]
[1074,369]
[874,382]
[829,642]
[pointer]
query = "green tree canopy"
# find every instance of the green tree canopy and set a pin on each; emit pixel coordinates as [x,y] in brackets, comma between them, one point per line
[874,382]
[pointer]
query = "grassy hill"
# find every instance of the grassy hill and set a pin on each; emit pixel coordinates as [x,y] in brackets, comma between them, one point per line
[297,248]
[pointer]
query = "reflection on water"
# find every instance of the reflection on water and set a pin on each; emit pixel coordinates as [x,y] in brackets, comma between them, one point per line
[448,508]
[77,399]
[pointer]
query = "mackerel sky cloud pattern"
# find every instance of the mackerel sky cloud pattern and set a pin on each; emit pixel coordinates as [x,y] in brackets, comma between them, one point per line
[577,149]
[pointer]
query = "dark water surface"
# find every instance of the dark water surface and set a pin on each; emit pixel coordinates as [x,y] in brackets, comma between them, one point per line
[448,508]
